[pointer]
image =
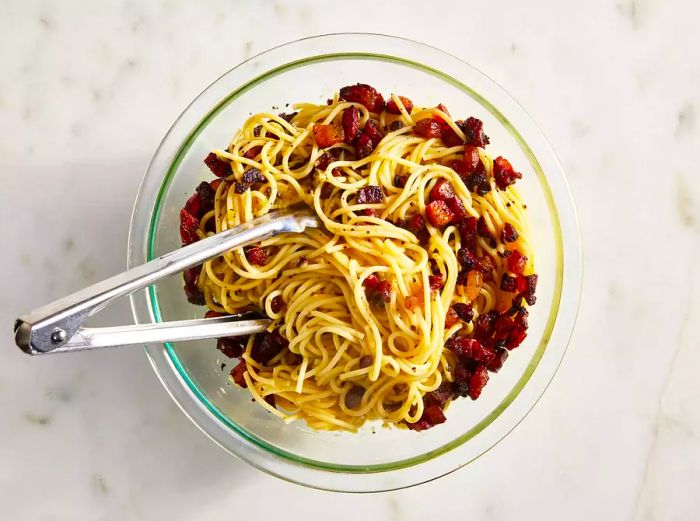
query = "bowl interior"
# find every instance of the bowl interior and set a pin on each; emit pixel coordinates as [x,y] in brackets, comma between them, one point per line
[200,364]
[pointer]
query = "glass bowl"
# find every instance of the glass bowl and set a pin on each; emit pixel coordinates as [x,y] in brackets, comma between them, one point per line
[376,458]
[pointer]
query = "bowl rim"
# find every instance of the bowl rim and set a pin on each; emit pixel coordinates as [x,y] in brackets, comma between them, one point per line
[164,357]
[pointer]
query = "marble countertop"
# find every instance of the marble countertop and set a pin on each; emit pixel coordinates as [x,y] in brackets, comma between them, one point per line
[87,92]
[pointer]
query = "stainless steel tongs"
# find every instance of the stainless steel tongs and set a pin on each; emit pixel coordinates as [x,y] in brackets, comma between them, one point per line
[57,327]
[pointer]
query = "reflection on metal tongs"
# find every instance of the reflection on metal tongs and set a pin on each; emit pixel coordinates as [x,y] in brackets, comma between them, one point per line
[57,327]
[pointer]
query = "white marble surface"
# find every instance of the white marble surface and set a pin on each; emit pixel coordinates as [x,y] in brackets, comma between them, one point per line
[86,93]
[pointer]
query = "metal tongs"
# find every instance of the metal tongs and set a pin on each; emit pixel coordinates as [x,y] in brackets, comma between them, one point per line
[57,327]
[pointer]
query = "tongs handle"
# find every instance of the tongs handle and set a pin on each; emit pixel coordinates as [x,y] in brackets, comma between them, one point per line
[87,338]
[53,325]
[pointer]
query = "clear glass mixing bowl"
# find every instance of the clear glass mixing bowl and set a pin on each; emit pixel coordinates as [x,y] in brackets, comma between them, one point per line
[376,458]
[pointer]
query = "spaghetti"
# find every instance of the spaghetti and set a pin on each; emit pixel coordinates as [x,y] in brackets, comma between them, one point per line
[412,292]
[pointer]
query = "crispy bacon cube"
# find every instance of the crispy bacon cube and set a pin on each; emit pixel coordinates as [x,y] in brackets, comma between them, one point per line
[521,318]
[457,207]
[516,337]
[478,381]
[383,291]
[266,346]
[256,255]
[373,131]
[232,346]
[509,233]
[531,286]
[517,262]
[188,227]
[206,197]
[441,191]
[482,228]
[363,146]
[277,304]
[288,117]
[509,283]
[485,325]
[370,194]
[504,325]
[439,396]
[478,183]
[465,312]
[415,223]
[193,294]
[396,125]
[468,260]
[451,318]
[377,290]
[215,184]
[324,160]
[433,415]
[427,128]
[439,213]
[371,282]
[238,372]
[253,152]
[467,232]
[471,159]
[461,373]
[328,135]
[450,137]
[504,174]
[364,94]
[218,167]
[393,108]
[482,354]
[436,281]
[194,204]
[501,355]
[463,347]
[485,264]
[439,119]
[473,129]
[351,123]
[253,175]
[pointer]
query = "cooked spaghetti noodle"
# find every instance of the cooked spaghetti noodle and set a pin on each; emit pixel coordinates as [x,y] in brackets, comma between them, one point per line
[363,307]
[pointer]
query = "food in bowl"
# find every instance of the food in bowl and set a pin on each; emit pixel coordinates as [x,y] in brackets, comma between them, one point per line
[414,291]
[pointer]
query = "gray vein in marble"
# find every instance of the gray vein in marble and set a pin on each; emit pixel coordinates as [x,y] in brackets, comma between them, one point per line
[137,24]
[87,270]
[676,425]
[687,208]
[629,10]
[59,394]
[67,81]
[658,416]
[248,50]
[46,24]
[37,419]
[77,129]
[394,509]
[579,128]
[686,120]
[99,485]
